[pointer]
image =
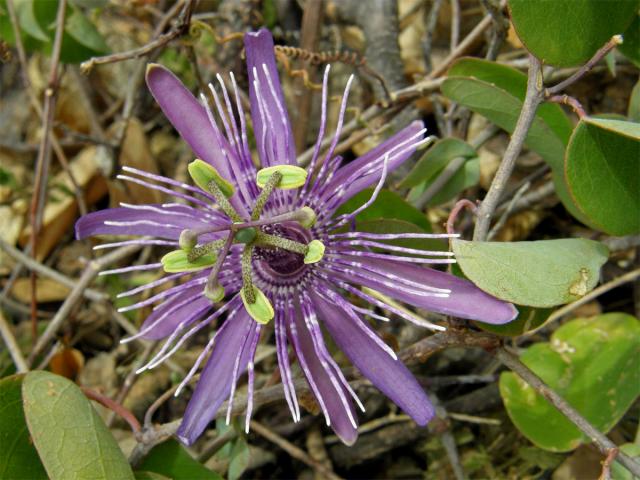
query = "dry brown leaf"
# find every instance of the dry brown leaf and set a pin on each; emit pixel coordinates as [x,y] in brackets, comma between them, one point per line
[47,290]
[60,215]
[67,362]
[137,154]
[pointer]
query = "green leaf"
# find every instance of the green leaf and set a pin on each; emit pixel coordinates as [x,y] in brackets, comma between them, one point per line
[528,319]
[26,13]
[603,172]
[437,158]
[143,475]
[18,456]
[84,32]
[633,111]
[72,440]
[567,33]
[388,205]
[172,460]
[618,472]
[630,47]
[497,93]
[593,364]
[239,459]
[466,177]
[538,274]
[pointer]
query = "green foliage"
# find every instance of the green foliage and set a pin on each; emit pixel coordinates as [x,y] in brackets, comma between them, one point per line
[37,20]
[603,172]
[497,93]
[569,32]
[538,274]
[434,161]
[593,364]
[618,472]
[18,457]
[631,45]
[388,205]
[72,440]
[171,460]
[633,111]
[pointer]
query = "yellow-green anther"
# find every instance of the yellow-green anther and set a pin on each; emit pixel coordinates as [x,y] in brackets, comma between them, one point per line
[178,261]
[203,174]
[188,240]
[292,176]
[214,292]
[306,217]
[315,252]
[260,309]
[246,235]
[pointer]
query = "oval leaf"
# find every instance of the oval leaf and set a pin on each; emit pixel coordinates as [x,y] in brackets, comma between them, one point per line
[436,158]
[538,274]
[18,456]
[593,364]
[72,440]
[173,461]
[603,172]
[568,33]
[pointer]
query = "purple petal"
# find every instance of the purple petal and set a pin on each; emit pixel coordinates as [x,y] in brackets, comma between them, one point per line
[305,350]
[166,318]
[352,178]
[188,117]
[141,221]
[215,381]
[389,375]
[271,123]
[465,300]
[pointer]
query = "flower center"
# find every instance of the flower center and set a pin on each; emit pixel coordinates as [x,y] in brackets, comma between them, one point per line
[280,262]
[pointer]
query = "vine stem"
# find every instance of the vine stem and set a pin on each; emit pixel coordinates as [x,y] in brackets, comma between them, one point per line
[534,95]
[600,440]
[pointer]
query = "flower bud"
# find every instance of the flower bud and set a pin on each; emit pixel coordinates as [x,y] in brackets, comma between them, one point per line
[188,240]
[214,293]
[306,217]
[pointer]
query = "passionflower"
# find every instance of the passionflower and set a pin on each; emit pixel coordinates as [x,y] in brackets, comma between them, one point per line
[261,249]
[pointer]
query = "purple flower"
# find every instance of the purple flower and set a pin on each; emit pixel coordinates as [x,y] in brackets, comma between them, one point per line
[268,242]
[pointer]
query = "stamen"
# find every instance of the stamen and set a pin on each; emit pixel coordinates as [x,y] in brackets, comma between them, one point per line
[267,240]
[247,281]
[223,202]
[213,290]
[208,248]
[272,183]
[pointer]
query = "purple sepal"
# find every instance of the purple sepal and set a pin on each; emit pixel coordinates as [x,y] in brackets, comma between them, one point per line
[465,300]
[336,409]
[216,379]
[389,375]
[188,117]
[274,133]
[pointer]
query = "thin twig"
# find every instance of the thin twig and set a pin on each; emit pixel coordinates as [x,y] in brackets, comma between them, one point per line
[114,407]
[601,441]
[532,99]
[293,451]
[42,269]
[12,345]
[455,23]
[575,105]
[44,154]
[161,41]
[90,272]
[599,55]
[606,464]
